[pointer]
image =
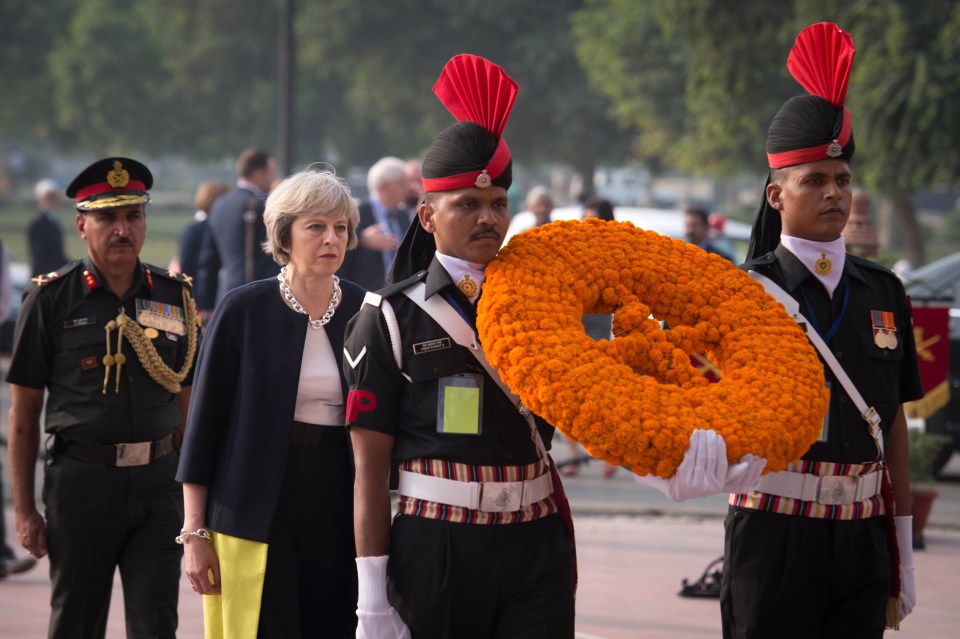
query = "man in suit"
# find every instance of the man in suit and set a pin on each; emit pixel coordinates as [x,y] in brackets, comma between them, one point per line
[44,233]
[383,221]
[696,228]
[230,252]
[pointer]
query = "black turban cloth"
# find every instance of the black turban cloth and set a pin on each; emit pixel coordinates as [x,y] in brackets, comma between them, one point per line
[460,148]
[802,122]
[463,147]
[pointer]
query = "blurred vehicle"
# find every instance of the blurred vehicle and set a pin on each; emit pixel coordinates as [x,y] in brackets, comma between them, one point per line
[939,281]
[730,236]
[19,279]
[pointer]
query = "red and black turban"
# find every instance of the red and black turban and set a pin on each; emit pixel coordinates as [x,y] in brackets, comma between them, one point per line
[812,127]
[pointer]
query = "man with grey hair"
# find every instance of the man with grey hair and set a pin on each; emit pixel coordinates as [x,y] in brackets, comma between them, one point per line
[383,221]
[44,235]
[540,204]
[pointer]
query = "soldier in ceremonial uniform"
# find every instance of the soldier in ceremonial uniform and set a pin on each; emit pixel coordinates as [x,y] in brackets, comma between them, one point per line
[461,564]
[112,341]
[483,543]
[813,551]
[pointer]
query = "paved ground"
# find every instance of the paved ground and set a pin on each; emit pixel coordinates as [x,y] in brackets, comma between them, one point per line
[631,568]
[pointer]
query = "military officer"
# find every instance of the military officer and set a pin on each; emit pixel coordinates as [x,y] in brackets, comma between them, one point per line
[112,340]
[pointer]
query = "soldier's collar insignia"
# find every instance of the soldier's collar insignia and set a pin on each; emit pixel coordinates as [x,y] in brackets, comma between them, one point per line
[823,265]
[90,279]
[148,277]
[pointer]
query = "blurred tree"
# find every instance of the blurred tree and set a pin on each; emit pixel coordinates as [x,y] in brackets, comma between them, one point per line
[905,98]
[219,63]
[694,80]
[385,57]
[106,69]
[28,31]
[698,82]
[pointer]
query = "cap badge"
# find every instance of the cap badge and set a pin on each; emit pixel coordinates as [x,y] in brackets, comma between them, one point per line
[823,265]
[118,177]
[483,180]
[835,150]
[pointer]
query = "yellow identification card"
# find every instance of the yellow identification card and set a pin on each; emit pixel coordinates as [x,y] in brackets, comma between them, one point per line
[458,410]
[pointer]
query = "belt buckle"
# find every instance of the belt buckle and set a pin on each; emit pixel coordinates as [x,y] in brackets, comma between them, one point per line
[836,490]
[501,496]
[137,454]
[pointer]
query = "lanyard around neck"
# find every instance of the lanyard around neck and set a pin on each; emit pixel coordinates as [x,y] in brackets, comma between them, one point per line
[812,317]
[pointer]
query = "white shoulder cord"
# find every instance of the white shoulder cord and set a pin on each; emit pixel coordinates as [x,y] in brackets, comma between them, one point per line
[462,333]
[792,307]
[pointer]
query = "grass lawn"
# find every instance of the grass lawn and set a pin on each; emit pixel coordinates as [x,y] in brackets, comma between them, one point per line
[163,225]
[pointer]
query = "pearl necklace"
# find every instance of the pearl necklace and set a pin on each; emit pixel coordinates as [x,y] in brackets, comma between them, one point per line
[298,307]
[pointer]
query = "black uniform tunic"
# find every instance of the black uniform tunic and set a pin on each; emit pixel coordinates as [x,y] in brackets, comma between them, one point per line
[407,410]
[101,516]
[456,579]
[795,576]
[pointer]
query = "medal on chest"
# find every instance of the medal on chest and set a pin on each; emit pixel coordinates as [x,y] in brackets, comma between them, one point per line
[160,317]
[884,329]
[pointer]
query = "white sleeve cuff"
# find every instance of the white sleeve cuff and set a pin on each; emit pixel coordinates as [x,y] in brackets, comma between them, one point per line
[372,584]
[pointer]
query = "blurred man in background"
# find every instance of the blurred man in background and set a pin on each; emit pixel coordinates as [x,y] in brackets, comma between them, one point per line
[44,235]
[230,253]
[383,221]
[697,228]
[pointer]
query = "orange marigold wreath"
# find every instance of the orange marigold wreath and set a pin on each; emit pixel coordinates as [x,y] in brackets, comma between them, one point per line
[635,400]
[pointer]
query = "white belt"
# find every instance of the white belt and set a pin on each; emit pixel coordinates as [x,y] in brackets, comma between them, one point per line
[488,496]
[832,490]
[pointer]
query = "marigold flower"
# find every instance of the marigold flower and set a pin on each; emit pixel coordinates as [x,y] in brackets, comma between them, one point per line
[635,400]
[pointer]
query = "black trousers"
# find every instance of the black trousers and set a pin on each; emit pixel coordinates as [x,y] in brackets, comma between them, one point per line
[100,518]
[482,582]
[803,578]
[310,585]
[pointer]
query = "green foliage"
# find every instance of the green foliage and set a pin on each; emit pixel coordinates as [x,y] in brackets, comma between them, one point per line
[676,84]
[104,70]
[699,81]
[694,79]
[923,452]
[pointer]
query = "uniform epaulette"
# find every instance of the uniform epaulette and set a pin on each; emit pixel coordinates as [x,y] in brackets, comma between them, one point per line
[763,260]
[402,285]
[870,264]
[53,276]
[170,275]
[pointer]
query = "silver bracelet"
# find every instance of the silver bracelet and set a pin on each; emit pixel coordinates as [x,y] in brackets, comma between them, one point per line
[202,533]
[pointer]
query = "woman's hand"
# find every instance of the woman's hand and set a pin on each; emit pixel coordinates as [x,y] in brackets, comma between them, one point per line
[202,566]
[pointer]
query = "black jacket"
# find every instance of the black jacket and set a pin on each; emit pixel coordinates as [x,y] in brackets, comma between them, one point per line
[244,396]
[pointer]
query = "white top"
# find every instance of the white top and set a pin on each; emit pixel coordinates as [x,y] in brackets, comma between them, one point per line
[319,398]
[810,252]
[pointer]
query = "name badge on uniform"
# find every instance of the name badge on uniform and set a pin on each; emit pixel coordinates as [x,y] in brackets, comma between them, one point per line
[163,317]
[459,404]
[884,329]
[78,322]
[433,345]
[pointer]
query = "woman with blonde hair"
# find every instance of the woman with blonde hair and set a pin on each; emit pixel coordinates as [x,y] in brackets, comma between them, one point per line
[266,465]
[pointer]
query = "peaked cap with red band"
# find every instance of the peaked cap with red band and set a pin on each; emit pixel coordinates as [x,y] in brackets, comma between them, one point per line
[471,153]
[111,183]
[813,127]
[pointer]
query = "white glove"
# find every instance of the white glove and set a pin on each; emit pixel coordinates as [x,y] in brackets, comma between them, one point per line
[704,470]
[908,587]
[377,618]
[744,476]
